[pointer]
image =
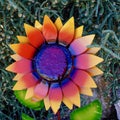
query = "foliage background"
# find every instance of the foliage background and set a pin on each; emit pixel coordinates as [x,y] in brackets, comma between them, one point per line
[101,17]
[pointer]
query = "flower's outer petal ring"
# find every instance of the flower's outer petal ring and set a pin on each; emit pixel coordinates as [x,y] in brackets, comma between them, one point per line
[16,57]
[86,61]
[71,92]
[38,25]
[79,45]
[21,66]
[27,81]
[24,50]
[23,39]
[34,35]
[49,30]
[86,91]
[94,71]
[41,90]
[30,92]
[93,50]
[58,23]
[55,97]
[66,33]
[78,32]
[82,79]
[68,103]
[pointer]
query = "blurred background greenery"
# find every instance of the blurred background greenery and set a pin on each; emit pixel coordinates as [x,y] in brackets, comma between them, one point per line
[101,17]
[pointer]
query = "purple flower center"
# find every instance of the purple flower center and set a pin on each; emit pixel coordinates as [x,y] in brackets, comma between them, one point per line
[53,62]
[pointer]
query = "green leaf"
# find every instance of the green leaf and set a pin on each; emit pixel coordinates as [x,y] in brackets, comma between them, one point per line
[92,111]
[20,95]
[26,117]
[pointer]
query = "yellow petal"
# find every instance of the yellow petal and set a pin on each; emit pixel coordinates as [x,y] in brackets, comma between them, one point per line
[86,91]
[58,23]
[47,102]
[94,71]
[93,50]
[78,32]
[18,76]
[67,103]
[38,25]
[86,61]
[16,57]
[66,33]
[20,85]
[23,39]
[55,105]
[30,92]
[28,28]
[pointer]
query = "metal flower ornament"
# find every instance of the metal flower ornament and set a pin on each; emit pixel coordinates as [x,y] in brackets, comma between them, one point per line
[54,64]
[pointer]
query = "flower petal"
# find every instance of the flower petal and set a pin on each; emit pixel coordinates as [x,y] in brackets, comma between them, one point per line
[86,91]
[86,61]
[67,103]
[58,23]
[34,35]
[27,81]
[24,50]
[21,66]
[38,25]
[66,33]
[30,92]
[23,39]
[82,79]
[55,96]
[94,71]
[49,30]
[41,90]
[71,92]
[18,76]
[16,57]
[47,102]
[93,50]
[79,45]
[78,32]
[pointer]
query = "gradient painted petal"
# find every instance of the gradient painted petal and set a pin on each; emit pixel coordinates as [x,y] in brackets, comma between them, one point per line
[93,50]
[38,25]
[49,30]
[78,32]
[30,92]
[67,103]
[16,57]
[82,79]
[41,90]
[94,71]
[86,61]
[27,81]
[79,45]
[24,50]
[58,23]
[34,35]
[21,66]
[86,91]
[18,76]
[66,33]
[55,96]
[47,102]
[71,92]
[23,39]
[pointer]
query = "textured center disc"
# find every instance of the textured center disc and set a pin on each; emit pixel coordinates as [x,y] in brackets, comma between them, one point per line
[52,62]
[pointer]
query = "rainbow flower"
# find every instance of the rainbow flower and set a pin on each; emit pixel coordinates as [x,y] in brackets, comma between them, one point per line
[54,64]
